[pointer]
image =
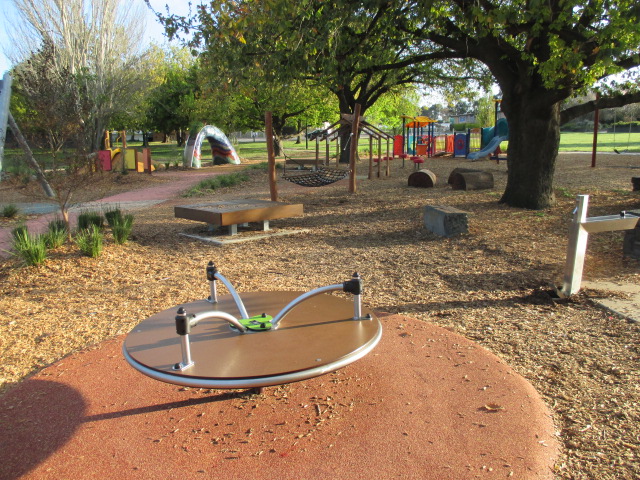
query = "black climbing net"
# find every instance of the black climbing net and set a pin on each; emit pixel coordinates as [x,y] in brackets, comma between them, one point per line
[319,178]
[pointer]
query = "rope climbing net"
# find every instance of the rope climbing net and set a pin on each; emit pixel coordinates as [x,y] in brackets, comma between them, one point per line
[321,177]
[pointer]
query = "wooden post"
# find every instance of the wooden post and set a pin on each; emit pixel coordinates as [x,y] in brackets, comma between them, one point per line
[327,149]
[268,131]
[370,157]
[596,120]
[317,151]
[379,155]
[353,151]
[146,159]
[388,167]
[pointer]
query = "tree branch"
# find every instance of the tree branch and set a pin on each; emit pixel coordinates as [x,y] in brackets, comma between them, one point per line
[48,191]
[604,102]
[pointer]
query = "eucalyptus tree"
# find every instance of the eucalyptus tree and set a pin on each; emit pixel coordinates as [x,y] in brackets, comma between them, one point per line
[239,100]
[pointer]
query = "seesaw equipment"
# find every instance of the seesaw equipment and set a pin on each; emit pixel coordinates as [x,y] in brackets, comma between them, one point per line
[294,336]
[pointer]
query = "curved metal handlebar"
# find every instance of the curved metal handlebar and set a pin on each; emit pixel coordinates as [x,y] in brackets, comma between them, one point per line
[302,298]
[197,317]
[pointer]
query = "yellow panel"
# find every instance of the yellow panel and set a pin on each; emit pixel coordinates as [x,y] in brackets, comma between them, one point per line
[130,159]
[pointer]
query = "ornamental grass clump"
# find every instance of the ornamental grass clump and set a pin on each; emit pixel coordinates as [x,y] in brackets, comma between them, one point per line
[9,211]
[219,181]
[32,249]
[121,228]
[90,241]
[86,219]
[57,234]
[112,214]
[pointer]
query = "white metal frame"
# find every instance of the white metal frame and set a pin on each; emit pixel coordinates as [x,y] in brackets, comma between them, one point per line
[580,229]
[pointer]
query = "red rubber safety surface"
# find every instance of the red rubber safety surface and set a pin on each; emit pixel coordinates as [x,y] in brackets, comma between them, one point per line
[425,404]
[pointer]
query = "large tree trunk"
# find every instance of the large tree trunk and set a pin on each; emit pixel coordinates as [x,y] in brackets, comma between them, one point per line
[345,146]
[277,144]
[278,126]
[534,138]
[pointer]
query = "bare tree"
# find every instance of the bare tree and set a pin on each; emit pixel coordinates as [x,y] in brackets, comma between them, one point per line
[96,46]
[78,65]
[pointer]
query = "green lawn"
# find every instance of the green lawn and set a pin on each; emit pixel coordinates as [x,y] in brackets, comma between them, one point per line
[583,142]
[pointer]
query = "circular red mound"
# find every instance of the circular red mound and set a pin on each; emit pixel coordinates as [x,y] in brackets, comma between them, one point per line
[426,403]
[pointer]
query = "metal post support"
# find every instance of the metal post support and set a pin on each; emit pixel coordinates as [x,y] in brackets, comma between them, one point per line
[357,297]
[185,322]
[211,276]
[579,232]
[576,249]
[186,354]
[183,328]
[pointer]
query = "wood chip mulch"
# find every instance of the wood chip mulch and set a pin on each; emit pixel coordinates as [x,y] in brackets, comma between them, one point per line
[493,285]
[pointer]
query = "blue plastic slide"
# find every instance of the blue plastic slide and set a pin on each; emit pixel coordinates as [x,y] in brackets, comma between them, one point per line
[489,149]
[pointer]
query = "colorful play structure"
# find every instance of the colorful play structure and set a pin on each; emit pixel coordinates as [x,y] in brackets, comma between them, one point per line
[419,141]
[222,151]
[121,158]
[261,339]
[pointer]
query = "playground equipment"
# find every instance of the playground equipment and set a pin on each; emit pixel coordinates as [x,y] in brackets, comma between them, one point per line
[580,229]
[491,139]
[321,174]
[294,336]
[123,158]
[221,149]
[418,136]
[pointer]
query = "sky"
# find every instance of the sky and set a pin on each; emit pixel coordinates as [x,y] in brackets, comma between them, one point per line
[154,31]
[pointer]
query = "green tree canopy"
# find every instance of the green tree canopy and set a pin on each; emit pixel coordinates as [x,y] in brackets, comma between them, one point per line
[343,47]
[171,105]
[540,53]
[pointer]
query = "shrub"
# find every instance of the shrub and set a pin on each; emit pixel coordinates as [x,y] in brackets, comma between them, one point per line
[10,211]
[262,166]
[218,181]
[20,230]
[113,215]
[56,233]
[90,241]
[31,248]
[121,228]
[86,219]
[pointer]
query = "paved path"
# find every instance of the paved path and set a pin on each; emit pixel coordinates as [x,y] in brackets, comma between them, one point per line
[129,201]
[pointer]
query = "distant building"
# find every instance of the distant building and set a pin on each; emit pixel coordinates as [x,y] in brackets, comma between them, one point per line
[465,118]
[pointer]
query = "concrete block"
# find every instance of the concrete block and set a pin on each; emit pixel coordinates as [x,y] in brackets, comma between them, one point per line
[445,221]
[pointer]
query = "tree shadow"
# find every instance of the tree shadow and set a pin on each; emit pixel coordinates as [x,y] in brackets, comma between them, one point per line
[38,417]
